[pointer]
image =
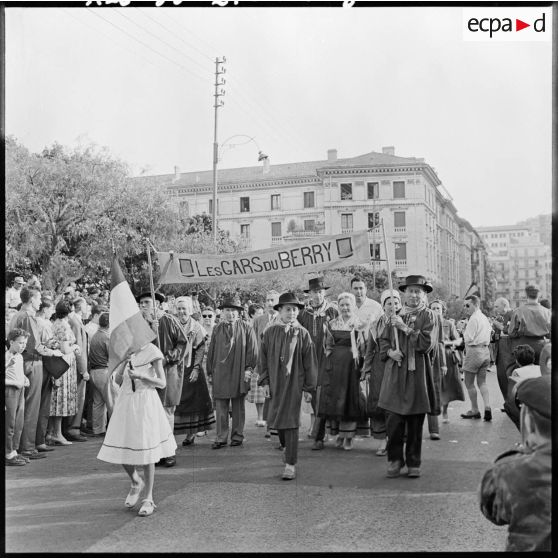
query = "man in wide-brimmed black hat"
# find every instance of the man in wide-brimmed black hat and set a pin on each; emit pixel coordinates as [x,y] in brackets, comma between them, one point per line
[172,341]
[315,317]
[231,359]
[408,388]
[287,366]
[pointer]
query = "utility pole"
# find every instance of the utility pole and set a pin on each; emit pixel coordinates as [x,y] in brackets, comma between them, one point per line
[217,103]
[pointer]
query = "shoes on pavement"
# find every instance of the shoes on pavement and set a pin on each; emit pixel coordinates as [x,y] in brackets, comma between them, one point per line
[318,445]
[445,418]
[280,447]
[394,469]
[59,442]
[487,415]
[236,443]
[76,438]
[160,462]
[15,460]
[33,454]
[134,494]
[261,423]
[218,445]
[471,415]
[348,444]
[381,451]
[413,472]
[147,508]
[267,435]
[434,436]
[339,443]
[188,441]
[200,434]
[169,461]
[100,435]
[43,448]
[289,473]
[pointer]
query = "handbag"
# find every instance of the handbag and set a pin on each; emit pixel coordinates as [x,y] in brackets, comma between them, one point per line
[55,366]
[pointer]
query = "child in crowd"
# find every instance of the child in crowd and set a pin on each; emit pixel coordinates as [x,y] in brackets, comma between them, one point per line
[139,433]
[526,368]
[15,381]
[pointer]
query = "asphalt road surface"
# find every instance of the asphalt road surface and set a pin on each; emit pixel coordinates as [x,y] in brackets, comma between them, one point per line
[233,499]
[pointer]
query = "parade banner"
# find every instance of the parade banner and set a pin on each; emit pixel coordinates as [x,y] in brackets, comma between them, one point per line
[315,254]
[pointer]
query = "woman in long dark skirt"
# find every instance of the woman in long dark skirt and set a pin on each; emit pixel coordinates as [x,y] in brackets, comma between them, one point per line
[342,402]
[452,388]
[374,368]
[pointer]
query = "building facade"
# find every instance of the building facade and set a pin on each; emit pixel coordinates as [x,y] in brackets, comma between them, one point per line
[279,204]
[519,258]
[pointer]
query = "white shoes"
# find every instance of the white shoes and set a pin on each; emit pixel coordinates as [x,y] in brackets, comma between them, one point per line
[289,473]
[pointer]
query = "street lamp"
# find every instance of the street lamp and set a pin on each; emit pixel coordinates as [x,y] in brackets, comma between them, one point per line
[217,157]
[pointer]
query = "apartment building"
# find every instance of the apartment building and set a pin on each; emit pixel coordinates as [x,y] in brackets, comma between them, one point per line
[279,204]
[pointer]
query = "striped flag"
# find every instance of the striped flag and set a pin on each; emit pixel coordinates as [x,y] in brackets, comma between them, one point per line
[129,330]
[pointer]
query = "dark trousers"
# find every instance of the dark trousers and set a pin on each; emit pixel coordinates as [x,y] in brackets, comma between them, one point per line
[222,419]
[289,439]
[319,428]
[34,372]
[75,422]
[397,449]
[433,425]
[505,363]
[44,409]
[15,405]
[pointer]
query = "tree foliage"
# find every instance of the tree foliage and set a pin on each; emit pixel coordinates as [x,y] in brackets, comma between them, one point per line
[66,210]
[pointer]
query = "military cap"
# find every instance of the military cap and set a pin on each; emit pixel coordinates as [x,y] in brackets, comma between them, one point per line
[535,393]
[532,289]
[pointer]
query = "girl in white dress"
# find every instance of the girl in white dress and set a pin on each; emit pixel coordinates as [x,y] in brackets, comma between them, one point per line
[138,433]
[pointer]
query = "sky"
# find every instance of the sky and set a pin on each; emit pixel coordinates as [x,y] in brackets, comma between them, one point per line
[299,81]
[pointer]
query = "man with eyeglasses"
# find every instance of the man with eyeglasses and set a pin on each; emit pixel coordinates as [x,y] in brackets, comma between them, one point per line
[477,357]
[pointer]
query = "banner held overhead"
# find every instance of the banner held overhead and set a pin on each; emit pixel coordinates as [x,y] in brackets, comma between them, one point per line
[317,253]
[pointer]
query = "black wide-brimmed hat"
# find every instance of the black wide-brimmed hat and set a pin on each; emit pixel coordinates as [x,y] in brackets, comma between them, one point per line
[231,302]
[417,281]
[288,298]
[147,294]
[315,283]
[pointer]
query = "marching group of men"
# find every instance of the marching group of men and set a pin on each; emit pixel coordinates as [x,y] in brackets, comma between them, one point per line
[285,350]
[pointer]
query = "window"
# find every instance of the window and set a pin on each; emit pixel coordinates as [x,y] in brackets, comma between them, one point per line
[275,201]
[373,190]
[346,191]
[373,219]
[211,207]
[400,250]
[399,219]
[399,189]
[308,199]
[375,251]
[245,230]
[309,225]
[346,222]
[275,229]
[244,205]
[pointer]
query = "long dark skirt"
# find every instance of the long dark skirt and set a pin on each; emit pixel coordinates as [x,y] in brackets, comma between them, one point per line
[452,387]
[341,398]
[195,412]
[377,415]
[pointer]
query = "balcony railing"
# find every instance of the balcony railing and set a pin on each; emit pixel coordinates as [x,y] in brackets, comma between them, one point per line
[400,264]
[346,230]
[400,230]
[276,240]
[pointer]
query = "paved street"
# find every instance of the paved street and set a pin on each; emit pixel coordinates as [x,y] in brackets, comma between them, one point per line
[233,499]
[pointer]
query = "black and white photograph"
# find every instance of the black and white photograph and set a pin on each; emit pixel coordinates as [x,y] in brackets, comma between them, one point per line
[278,276]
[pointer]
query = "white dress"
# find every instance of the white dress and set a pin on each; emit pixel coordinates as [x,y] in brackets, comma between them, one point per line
[138,432]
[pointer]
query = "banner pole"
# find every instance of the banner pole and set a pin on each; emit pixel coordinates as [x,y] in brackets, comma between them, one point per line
[151,285]
[390,283]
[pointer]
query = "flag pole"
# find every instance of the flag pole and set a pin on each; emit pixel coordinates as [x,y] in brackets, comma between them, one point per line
[390,283]
[151,284]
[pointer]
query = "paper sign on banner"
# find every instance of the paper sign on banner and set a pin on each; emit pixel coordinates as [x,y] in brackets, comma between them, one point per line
[324,252]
